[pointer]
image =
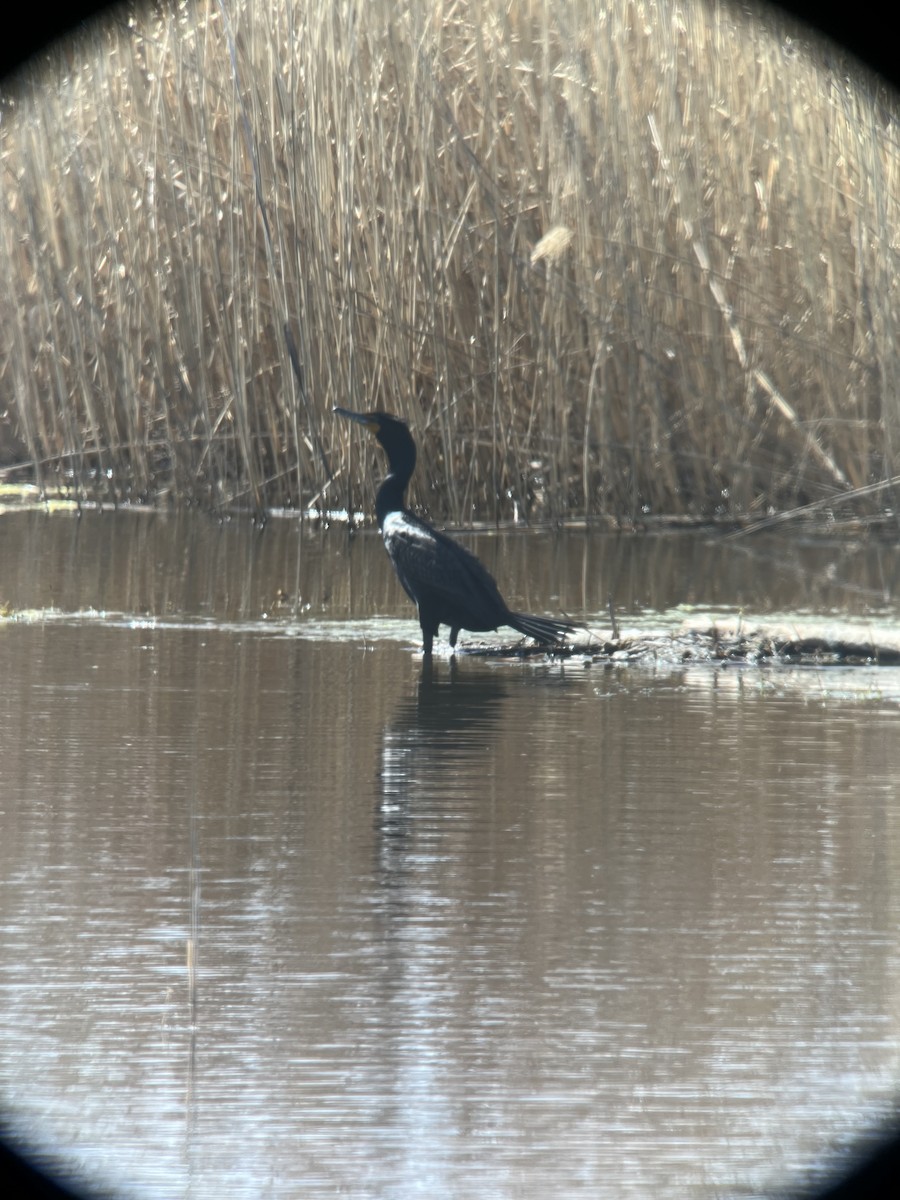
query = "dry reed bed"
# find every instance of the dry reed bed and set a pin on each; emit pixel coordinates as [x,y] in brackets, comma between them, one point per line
[609,259]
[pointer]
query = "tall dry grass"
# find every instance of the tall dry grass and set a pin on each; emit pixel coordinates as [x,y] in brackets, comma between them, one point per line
[619,259]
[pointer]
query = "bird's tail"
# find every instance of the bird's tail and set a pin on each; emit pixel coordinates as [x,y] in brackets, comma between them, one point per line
[542,629]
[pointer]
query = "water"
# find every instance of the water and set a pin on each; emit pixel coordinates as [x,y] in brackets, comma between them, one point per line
[285,911]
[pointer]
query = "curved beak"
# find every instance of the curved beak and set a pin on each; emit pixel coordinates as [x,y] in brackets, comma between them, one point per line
[360,418]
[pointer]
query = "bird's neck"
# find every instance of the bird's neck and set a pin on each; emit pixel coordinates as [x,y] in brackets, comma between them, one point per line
[389,498]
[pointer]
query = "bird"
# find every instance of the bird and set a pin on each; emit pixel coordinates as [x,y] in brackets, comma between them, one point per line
[447,583]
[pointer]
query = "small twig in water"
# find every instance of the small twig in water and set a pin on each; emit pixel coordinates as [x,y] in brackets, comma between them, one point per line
[612,618]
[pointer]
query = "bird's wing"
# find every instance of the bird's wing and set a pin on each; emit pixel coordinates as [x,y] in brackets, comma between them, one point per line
[426,559]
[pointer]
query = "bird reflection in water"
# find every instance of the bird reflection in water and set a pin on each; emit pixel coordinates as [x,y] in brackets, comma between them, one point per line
[436,750]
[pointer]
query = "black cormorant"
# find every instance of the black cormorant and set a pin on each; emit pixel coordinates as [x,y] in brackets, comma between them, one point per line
[448,584]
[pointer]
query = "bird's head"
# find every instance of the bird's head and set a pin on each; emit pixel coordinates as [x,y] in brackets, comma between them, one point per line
[392,433]
[372,421]
[375,422]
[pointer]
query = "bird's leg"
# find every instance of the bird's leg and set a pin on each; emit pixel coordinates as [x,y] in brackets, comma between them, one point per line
[427,638]
[454,634]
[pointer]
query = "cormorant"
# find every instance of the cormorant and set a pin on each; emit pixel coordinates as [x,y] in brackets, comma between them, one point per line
[448,585]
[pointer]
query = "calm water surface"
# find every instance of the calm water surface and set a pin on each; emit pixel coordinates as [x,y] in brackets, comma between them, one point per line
[286,912]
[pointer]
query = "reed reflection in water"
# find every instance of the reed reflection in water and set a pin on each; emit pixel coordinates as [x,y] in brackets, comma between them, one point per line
[303,915]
